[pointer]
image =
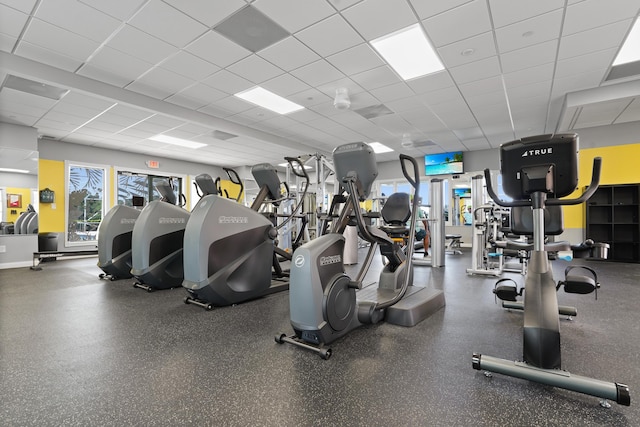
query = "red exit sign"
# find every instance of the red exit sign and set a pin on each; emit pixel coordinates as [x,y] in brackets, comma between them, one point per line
[153,164]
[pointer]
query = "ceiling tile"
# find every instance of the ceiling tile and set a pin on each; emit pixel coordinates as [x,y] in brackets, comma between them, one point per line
[285,85]
[47,56]
[317,73]
[530,91]
[59,40]
[343,4]
[434,81]
[209,13]
[588,62]
[25,6]
[468,20]
[105,76]
[120,9]
[227,82]
[574,82]
[356,59]
[78,18]
[255,69]
[189,65]
[480,87]
[440,96]
[505,12]
[153,19]
[12,21]
[594,13]
[478,70]
[343,36]
[392,92]
[289,54]
[309,97]
[375,18]
[429,8]
[607,36]
[529,56]
[468,50]
[7,42]
[165,81]
[294,15]
[631,113]
[529,75]
[217,49]
[601,113]
[376,77]
[141,45]
[119,63]
[532,31]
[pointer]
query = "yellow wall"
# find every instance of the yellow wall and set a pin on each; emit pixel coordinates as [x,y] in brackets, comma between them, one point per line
[51,215]
[620,165]
[26,199]
[231,188]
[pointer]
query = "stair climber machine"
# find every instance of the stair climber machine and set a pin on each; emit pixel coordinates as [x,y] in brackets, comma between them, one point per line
[156,252]
[114,242]
[230,251]
[325,303]
[537,172]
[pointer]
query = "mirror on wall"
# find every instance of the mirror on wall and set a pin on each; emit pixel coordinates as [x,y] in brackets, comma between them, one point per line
[18,188]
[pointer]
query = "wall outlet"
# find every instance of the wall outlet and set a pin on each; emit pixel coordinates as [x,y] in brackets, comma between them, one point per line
[3,249]
[53,205]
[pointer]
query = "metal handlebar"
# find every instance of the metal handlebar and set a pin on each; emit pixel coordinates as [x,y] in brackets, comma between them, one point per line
[588,192]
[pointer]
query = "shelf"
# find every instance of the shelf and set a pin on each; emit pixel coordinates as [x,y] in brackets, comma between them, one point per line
[612,216]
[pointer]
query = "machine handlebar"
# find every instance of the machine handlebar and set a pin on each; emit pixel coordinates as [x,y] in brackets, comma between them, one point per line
[588,192]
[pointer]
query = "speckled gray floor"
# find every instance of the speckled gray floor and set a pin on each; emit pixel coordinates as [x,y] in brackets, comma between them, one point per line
[77,350]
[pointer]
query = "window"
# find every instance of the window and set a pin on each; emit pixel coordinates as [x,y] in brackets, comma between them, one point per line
[132,185]
[85,203]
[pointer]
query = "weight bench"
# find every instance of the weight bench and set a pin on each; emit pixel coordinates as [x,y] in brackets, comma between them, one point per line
[453,244]
[39,256]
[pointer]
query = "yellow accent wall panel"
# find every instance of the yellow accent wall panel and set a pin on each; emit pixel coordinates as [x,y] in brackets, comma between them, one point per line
[619,166]
[51,215]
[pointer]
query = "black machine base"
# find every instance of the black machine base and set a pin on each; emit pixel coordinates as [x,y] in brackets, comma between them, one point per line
[554,377]
[323,352]
[201,303]
[141,285]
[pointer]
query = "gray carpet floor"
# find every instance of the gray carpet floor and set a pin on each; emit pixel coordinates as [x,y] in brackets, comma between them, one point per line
[77,350]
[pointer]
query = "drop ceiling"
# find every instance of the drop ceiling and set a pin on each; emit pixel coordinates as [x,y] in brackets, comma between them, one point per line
[132,69]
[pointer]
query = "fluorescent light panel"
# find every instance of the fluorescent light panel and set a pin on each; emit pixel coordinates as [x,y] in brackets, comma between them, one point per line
[14,170]
[408,52]
[177,141]
[380,148]
[630,51]
[269,100]
[284,165]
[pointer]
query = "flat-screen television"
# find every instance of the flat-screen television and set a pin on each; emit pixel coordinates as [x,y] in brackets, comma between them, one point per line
[462,192]
[443,163]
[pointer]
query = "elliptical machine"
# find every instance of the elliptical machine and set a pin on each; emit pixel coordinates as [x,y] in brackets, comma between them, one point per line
[156,253]
[229,249]
[538,171]
[324,304]
[114,242]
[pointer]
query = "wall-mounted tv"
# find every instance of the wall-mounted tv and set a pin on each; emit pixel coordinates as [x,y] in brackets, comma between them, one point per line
[462,192]
[443,163]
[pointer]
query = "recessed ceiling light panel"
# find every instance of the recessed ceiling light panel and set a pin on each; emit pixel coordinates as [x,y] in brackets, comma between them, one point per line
[177,141]
[269,100]
[630,51]
[409,52]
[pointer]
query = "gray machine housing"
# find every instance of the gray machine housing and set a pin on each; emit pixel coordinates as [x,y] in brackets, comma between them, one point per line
[114,241]
[157,240]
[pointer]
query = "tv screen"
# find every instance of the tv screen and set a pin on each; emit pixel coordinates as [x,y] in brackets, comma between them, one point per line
[462,192]
[443,163]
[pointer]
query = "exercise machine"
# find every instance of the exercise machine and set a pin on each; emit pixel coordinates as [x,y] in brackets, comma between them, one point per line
[537,172]
[114,242]
[156,252]
[230,251]
[325,303]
